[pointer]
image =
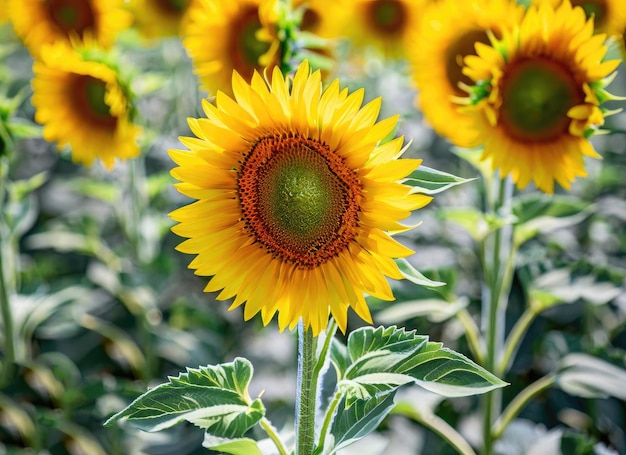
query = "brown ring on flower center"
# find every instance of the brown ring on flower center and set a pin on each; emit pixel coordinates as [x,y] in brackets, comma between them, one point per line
[174,7]
[389,17]
[536,95]
[72,16]
[299,200]
[87,94]
[456,52]
[244,48]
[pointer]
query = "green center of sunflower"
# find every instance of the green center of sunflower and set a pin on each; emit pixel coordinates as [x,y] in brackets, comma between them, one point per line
[245,47]
[72,16]
[455,54]
[172,6]
[595,9]
[89,101]
[387,16]
[299,200]
[536,95]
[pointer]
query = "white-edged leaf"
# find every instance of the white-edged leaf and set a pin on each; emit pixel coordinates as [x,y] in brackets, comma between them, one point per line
[590,377]
[541,214]
[214,398]
[558,286]
[413,275]
[357,420]
[382,359]
[431,181]
[239,446]
[436,310]
[469,218]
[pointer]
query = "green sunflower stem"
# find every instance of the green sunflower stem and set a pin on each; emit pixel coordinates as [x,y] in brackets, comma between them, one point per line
[6,288]
[306,391]
[498,261]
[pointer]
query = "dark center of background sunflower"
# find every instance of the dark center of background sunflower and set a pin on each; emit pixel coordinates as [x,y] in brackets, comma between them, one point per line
[72,15]
[386,16]
[244,47]
[536,95]
[88,96]
[455,54]
[299,199]
[596,9]
[175,7]
[310,20]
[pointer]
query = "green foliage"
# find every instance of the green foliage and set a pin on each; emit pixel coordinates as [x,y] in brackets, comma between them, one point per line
[214,398]
[385,358]
[431,181]
[539,214]
[355,421]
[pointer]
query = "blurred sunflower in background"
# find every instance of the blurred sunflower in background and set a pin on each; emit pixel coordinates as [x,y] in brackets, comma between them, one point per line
[295,192]
[537,96]
[38,23]
[446,33]
[160,18]
[609,16]
[381,24]
[225,36]
[81,102]
[4,14]
[322,18]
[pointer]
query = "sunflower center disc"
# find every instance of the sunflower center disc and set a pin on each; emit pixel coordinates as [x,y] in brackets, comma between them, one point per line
[387,16]
[172,6]
[72,15]
[455,54]
[89,93]
[536,96]
[246,49]
[299,199]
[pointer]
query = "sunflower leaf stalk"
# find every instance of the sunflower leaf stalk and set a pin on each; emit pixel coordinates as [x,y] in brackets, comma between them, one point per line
[5,291]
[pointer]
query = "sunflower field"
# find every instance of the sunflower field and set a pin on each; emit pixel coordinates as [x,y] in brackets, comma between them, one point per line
[313,227]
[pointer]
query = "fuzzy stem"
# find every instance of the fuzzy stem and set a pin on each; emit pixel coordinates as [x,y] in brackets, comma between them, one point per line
[307,391]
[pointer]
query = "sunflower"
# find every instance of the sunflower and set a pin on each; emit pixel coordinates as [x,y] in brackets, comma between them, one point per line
[225,36]
[382,24]
[609,16]
[323,18]
[295,192]
[4,15]
[81,102]
[160,18]
[39,22]
[447,33]
[537,96]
